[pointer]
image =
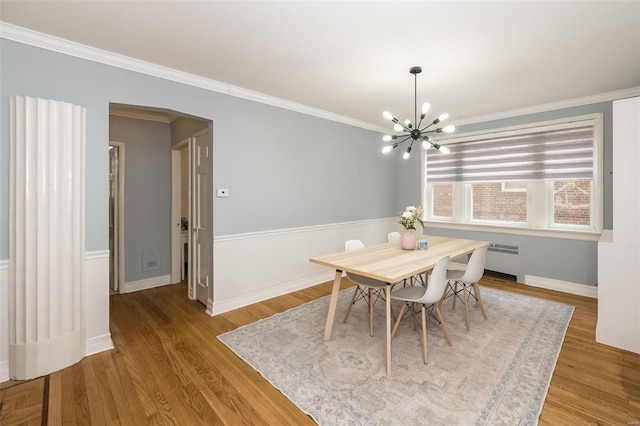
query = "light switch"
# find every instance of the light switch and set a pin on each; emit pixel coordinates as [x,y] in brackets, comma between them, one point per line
[222,192]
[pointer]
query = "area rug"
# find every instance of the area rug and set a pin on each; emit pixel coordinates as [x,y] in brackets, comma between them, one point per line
[498,373]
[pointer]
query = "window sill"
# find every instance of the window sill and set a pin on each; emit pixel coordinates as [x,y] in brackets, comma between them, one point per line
[518,230]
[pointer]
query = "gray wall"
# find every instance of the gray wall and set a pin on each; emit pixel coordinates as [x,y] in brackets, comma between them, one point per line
[283,169]
[147,194]
[566,260]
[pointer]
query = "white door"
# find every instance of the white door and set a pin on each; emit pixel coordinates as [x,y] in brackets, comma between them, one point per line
[199,244]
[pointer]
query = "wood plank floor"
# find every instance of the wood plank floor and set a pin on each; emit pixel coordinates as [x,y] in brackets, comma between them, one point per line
[169,368]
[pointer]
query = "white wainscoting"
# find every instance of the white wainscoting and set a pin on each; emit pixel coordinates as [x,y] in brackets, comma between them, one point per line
[249,268]
[4,320]
[97,335]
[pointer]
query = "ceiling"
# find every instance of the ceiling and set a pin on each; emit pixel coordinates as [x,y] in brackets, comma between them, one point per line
[353,58]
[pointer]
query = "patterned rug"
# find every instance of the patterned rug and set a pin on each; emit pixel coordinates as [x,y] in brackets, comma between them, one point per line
[496,374]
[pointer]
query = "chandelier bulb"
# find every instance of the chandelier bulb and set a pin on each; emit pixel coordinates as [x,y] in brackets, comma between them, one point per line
[407,123]
[449,129]
[387,138]
[406,155]
[443,116]
[445,150]
[398,127]
[425,108]
[387,115]
[426,144]
[387,149]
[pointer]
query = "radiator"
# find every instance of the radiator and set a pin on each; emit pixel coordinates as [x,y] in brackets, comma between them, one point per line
[503,248]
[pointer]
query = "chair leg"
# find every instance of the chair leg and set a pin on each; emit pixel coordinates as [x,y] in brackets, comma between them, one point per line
[444,324]
[346,315]
[465,290]
[476,291]
[455,293]
[413,317]
[424,334]
[395,326]
[370,312]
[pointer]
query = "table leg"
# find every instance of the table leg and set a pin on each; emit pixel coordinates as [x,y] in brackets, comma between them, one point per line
[332,305]
[387,291]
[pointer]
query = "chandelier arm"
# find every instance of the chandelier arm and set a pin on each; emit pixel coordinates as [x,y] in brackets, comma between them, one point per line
[433,131]
[398,143]
[426,127]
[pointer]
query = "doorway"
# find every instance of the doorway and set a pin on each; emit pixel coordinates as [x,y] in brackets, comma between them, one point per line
[150,132]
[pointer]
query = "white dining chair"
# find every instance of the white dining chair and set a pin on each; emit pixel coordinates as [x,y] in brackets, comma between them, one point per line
[392,237]
[468,281]
[430,298]
[367,289]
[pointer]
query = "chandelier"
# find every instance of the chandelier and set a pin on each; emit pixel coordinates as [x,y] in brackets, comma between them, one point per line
[409,130]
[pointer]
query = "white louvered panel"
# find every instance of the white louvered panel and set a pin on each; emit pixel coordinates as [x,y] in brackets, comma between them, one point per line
[47,236]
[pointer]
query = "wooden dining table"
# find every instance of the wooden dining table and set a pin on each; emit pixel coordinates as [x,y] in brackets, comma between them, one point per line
[391,264]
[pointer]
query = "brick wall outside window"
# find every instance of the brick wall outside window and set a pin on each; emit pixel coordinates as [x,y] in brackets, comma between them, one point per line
[491,203]
[443,200]
[572,202]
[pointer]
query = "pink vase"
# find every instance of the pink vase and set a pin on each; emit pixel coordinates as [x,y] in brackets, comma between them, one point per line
[408,240]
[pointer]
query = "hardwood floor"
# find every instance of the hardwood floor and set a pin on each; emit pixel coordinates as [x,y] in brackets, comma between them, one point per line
[169,368]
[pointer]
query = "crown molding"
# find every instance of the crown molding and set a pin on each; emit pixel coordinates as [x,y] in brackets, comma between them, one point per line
[60,45]
[568,103]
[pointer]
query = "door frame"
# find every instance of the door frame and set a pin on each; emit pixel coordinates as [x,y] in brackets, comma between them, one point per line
[176,216]
[120,214]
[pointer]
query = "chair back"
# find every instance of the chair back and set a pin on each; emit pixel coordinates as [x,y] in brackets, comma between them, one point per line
[475,267]
[353,245]
[437,282]
[392,237]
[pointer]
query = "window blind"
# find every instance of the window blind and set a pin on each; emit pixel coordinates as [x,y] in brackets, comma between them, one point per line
[550,154]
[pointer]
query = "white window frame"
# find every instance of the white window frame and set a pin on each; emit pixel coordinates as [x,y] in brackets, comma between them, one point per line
[540,203]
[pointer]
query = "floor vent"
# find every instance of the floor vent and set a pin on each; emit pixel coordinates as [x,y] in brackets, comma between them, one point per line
[503,248]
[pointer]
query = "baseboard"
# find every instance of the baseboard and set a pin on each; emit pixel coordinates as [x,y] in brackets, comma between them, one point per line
[98,344]
[147,283]
[259,296]
[4,371]
[563,286]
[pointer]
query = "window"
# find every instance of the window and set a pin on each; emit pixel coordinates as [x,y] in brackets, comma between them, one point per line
[544,176]
[443,200]
[491,202]
[572,202]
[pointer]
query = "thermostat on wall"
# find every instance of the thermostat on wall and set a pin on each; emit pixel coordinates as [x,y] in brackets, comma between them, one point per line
[223,192]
